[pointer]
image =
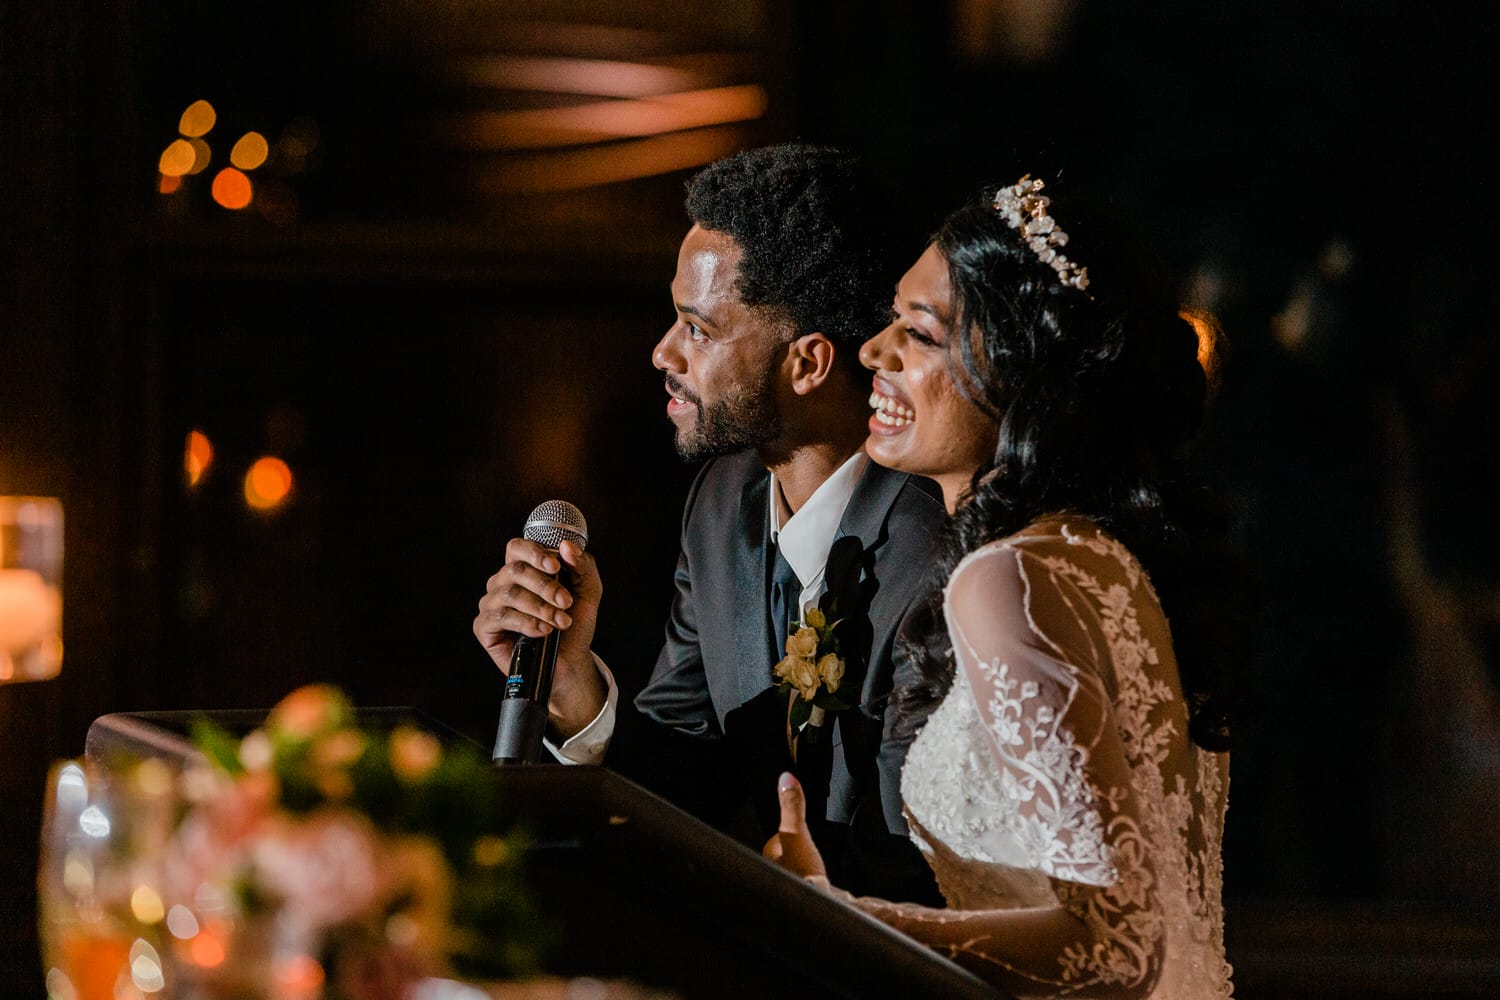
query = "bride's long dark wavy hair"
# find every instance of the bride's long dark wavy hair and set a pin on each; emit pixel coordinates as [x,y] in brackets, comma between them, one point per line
[1098,393]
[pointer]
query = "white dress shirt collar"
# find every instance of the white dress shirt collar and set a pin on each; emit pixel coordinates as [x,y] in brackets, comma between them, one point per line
[807,536]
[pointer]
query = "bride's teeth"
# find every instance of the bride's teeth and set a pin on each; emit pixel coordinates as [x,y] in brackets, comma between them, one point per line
[890,412]
[889,407]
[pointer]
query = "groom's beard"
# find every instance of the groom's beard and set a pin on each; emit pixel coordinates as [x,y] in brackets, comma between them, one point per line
[747,418]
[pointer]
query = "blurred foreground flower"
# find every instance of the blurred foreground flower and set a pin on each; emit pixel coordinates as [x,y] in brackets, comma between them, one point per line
[313,858]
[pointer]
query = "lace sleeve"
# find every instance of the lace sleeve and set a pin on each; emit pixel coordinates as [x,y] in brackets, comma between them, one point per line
[1035,656]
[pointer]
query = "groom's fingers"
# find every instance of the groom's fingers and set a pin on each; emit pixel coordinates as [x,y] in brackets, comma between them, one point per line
[523,598]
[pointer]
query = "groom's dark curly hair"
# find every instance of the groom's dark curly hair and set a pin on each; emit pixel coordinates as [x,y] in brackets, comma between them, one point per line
[809,226]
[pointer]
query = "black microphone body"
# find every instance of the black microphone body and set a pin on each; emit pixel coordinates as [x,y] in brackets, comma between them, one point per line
[528,686]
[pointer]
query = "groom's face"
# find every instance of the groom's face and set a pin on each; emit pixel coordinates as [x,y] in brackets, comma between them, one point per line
[721,358]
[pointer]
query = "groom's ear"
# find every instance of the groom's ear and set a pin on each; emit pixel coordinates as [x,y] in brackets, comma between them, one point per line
[812,358]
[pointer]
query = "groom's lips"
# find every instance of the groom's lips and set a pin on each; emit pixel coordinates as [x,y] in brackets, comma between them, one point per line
[680,398]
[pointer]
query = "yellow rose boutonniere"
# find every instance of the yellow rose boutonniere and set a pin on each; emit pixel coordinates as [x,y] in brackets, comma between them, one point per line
[812,671]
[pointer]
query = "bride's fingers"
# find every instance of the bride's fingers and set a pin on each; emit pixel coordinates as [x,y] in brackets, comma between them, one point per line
[795,850]
[793,805]
[772,850]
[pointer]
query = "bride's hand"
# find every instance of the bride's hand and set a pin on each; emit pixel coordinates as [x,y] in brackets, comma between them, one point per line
[792,846]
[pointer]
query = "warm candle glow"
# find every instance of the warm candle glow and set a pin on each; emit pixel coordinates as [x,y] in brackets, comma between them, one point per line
[30,588]
[92,962]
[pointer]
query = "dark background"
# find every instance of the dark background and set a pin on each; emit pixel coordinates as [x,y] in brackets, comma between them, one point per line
[434,346]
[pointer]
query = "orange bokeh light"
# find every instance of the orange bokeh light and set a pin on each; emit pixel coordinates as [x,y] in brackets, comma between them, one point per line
[298,977]
[232,188]
[177,159]
[207,950]
[168,185]
[250,152]
[202,156]
[198,119]
[200,455]
[268,483]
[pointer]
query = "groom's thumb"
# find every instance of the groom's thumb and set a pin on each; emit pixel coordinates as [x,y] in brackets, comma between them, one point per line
[793,805]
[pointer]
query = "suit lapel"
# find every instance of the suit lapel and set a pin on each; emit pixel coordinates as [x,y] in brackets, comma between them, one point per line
[850,573]
[752,623]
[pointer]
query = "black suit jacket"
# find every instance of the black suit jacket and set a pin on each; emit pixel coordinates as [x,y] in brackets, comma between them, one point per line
[711,734]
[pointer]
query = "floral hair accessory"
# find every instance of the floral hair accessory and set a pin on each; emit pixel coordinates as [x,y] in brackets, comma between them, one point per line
[1024,208]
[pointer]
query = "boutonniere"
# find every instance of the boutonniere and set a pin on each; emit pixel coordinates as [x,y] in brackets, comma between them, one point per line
[811,672]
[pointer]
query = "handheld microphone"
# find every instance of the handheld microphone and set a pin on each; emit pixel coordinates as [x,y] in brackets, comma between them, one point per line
[523,710]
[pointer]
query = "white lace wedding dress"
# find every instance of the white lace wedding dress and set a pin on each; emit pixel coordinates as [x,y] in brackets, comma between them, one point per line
[1072,825]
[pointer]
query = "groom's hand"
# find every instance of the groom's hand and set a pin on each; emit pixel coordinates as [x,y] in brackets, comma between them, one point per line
[536,591]
[792,845]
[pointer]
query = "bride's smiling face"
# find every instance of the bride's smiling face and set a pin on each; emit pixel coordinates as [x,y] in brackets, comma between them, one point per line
[922,422]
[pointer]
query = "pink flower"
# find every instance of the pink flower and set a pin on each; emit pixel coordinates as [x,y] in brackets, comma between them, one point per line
[323,868]
[414,753]
[309,711]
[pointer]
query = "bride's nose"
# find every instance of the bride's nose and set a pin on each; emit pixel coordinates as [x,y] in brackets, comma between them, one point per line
[876,353]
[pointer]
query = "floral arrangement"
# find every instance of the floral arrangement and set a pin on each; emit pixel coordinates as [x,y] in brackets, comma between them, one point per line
[366,860]
[811,671]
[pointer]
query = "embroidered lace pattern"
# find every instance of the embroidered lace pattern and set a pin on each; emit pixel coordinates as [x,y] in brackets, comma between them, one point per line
[1073,827]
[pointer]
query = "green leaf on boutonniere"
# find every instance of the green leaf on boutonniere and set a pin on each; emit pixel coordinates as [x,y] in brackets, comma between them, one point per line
[801,711]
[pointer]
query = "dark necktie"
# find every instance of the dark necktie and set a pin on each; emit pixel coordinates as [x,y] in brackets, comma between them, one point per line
[785,588]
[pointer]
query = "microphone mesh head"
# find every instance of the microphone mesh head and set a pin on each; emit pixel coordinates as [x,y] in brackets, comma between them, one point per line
[555,522]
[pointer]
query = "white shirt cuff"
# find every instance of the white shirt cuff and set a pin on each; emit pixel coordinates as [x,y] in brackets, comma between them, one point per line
[589,744]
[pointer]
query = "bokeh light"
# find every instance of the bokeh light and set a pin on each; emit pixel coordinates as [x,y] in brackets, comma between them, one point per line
[59,986]
[182,923]
[177,159]
[300,137]
[200,455]
[207,950]
[268,483]
[275,200]
[297,976]
[146,905]
[145,968]
[250,152]
[169,185]
[202,155]
[198,119]
[232,188]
